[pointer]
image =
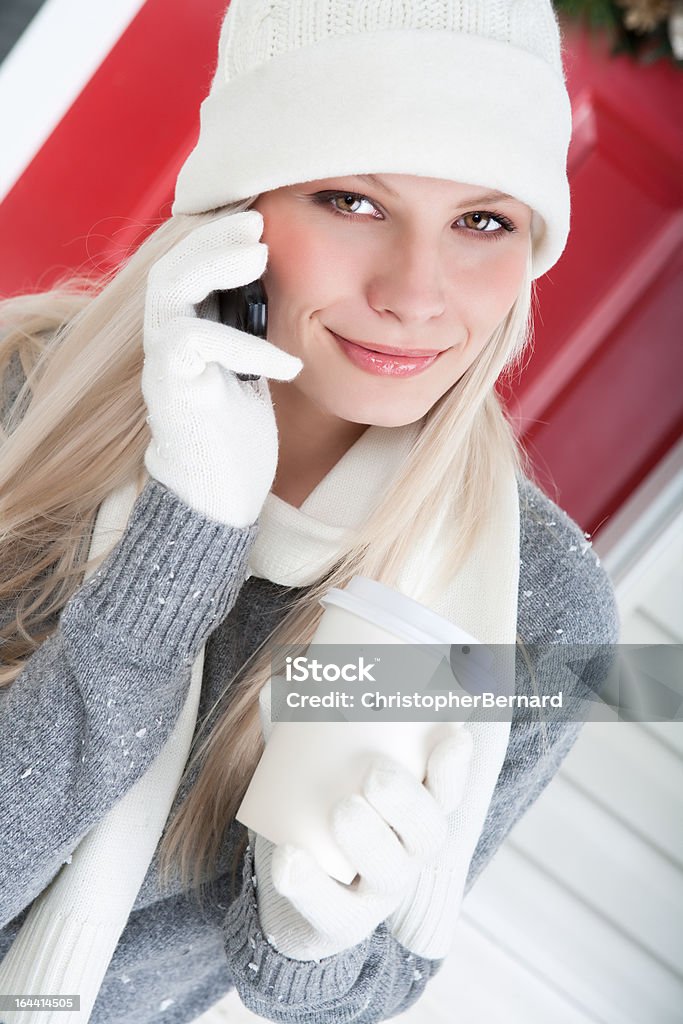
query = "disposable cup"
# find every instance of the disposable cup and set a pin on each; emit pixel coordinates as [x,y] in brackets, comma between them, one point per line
[306,767]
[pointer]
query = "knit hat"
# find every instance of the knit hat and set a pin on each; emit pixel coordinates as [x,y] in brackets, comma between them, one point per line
[468,91]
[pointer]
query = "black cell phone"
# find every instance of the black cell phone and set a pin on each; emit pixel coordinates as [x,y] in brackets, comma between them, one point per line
[246,309]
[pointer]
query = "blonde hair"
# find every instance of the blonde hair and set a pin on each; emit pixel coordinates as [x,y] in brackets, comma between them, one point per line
[78,429]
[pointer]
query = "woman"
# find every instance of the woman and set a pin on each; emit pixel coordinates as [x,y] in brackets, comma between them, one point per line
[266,472]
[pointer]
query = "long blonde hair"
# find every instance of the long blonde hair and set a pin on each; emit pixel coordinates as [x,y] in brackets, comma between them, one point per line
[78,429]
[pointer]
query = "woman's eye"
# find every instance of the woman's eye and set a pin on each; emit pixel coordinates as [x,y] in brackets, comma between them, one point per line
[346,203]
[482,222]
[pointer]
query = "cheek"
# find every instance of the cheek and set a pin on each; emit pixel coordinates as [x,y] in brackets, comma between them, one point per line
[507,279]
[491,294]
[303,265]
[285,271]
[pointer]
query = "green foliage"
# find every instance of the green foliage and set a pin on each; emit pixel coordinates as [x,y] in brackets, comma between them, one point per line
[594,13]
[604,15]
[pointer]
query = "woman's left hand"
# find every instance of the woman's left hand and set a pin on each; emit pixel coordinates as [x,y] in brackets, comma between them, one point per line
[388,833]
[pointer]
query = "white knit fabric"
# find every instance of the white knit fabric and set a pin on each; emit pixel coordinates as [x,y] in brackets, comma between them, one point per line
[309,915]
[214,436]
[257,31]
[466,91]
[294,545]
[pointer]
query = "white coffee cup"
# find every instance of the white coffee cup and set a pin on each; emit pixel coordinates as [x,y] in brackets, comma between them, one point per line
[307,767]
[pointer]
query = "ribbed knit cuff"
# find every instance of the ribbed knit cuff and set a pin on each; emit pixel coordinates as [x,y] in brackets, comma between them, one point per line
[265,976]
[171,579]
[58,952]
[426,921]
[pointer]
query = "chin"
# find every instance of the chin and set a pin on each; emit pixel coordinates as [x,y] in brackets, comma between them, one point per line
[374,414]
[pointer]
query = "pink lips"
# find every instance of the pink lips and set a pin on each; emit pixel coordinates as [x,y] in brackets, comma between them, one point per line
[382,363]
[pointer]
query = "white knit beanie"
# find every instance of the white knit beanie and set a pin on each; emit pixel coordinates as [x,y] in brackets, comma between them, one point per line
[468,91]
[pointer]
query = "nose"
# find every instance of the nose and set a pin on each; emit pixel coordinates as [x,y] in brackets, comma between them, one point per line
[408,282]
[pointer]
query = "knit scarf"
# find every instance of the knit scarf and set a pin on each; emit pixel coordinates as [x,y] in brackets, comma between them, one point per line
[72,929]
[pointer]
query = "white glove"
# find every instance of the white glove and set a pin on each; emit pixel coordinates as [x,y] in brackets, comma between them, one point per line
[389,834]
[214,437]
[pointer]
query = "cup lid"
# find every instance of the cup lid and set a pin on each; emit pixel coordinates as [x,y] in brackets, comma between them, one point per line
[396,612]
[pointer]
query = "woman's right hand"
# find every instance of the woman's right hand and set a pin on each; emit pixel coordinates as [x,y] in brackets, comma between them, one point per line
[214,437]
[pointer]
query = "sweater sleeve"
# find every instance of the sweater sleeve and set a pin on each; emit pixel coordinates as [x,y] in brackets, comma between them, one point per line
[96,702]
[369,982]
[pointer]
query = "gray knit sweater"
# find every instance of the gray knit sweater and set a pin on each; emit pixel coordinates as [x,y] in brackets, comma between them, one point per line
[96,702]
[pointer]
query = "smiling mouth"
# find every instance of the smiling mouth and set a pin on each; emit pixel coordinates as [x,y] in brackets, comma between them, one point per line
[402,353]
[384,364]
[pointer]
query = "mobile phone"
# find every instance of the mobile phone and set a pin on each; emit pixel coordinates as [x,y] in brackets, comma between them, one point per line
[246,309]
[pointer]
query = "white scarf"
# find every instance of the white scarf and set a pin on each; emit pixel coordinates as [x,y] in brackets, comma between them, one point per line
[72,929]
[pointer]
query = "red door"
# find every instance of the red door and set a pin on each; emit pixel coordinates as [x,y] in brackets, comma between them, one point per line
[601,401]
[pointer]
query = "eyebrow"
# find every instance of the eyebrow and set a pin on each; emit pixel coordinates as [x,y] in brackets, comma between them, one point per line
[487,197]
